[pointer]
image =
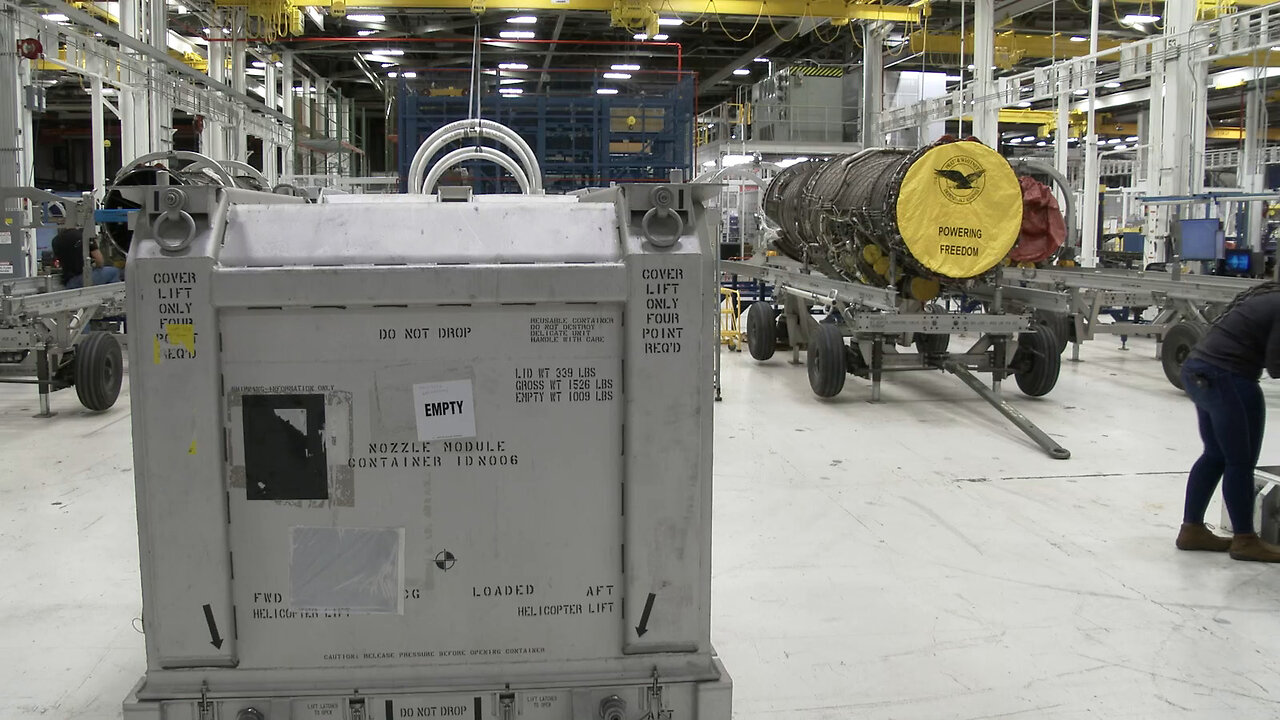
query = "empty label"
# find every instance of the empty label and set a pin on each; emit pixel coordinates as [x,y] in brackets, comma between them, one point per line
[444,410]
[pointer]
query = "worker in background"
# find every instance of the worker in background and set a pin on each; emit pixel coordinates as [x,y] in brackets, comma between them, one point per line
[1221,375]
[69,252]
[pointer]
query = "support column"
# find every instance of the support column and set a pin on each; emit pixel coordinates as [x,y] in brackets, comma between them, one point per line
[1252,172]
[1089,194]
[15,155]
[873,35]
[986,109]
[239,141]
[1177,137]
[1062,151]
[97,133]
[286,91]
[212,137]
[271,88]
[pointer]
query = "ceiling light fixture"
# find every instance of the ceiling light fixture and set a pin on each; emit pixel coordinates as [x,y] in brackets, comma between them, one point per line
[366,33]
[393,74]
[624,67]
[1131,138]
[258,64]
[742,71]
[1133,19]
[640,36]
[1082,91]
[517,34]
[409,75]
[56,17]
[396,53]
[661,37]
[606,91]
[762,59]
[1024,104]
[616,76]
[367,18]
[522,20]
[511,91]
[670,22]
[512,66]
[1079,38]
[1111,85]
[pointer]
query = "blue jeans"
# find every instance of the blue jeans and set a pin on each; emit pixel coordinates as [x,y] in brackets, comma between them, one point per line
[1232,416]
[101,276]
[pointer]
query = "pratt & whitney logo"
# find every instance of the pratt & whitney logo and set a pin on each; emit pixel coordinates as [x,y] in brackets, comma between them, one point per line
[960,179]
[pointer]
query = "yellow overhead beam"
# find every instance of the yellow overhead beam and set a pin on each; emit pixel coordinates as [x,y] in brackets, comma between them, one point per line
[1013,47]
[1235,133]
[639,10]
[1010,47]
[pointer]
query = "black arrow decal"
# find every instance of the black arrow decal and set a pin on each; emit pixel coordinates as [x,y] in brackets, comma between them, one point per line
[643,627]
[214,638]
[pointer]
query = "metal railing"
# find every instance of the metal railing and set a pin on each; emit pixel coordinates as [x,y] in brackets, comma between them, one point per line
[1231,35]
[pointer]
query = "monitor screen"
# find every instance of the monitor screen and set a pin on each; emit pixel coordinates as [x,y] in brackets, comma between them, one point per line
[1201,239]
[1238,261]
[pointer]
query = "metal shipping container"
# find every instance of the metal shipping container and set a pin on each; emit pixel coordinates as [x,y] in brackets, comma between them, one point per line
[398,457]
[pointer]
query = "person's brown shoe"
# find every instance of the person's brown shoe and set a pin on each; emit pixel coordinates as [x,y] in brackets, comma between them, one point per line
[1251,548]
[1198,536]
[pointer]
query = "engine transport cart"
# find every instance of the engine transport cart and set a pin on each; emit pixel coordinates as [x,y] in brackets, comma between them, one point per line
[1186,305]
[868,325]
[48,335]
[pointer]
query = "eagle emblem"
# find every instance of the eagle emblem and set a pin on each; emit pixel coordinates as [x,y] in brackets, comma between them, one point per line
[960,180]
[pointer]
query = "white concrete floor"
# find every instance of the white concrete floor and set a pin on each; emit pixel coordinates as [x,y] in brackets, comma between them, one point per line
[914,559]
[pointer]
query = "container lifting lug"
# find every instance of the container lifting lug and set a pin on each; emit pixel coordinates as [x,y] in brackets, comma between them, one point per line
[355,709]
[507,704]
[656,709]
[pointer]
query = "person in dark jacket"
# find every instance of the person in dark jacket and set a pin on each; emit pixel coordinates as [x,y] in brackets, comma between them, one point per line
[67,248]
[1221,375]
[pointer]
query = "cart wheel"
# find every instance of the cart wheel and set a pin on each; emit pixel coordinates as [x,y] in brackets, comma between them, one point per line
[1176,346]
[1037,361]
[929,344]
[826,361]
[761,338]
[1061,324]
[98,370]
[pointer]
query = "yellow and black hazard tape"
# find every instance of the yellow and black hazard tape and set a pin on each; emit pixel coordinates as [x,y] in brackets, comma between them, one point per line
[819,70]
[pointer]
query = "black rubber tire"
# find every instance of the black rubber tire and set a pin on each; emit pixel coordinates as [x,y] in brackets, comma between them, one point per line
[762,338]
[1061,324]
[99,369]
[1175,347]
[826,361]
[928,344]
[1037,361]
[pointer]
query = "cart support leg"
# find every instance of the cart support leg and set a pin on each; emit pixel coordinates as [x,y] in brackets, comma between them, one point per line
[877,367]
[1042,439]
[43,382]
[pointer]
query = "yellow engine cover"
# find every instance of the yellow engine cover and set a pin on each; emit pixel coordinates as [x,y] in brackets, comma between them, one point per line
[960,209]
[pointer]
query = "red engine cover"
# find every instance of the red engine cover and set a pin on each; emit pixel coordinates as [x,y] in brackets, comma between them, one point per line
[1043,228]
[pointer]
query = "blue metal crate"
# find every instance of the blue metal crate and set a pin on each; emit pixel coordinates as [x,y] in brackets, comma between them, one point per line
[579,141]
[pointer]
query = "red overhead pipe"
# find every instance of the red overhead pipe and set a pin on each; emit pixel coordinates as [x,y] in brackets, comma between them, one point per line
[383,41]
